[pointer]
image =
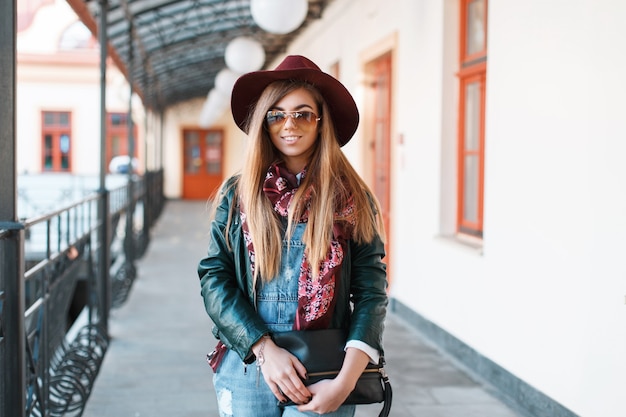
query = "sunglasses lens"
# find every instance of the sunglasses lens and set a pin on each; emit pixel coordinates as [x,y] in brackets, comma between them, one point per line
[276,118]
[304,116]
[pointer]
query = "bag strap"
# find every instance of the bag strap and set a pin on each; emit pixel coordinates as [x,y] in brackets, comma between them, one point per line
[388,395]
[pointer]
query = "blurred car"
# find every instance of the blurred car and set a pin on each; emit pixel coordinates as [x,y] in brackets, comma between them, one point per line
[119,164]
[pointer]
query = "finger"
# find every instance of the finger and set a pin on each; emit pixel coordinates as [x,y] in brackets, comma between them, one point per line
[314,407]
[296,380]
[302,389]
[296,395]
[310,406]
[300,369]
[278,393]
[292,386]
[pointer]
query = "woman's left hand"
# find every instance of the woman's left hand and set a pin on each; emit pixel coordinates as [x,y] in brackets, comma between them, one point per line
[329,394]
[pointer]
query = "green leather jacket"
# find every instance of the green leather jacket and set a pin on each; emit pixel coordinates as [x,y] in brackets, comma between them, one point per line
[229,299]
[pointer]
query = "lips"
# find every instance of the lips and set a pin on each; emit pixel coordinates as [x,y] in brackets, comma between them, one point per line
[290,139]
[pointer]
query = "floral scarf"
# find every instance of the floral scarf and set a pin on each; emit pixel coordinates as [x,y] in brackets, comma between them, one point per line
[316,297]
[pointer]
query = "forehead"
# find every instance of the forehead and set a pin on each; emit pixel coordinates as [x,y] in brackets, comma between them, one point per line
[297,99]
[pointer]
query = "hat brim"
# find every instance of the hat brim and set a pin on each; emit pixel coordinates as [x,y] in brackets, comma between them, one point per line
[249,87]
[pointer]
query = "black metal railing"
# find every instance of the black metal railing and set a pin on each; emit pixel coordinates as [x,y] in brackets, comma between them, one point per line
[63,326]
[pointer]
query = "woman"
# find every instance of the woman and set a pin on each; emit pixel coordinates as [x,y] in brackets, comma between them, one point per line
[295,243]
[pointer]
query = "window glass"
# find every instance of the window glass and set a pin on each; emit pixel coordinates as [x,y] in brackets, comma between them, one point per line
[470,189]
[193,160]
[65,162]
[213,153]
[47,143]
[48,118]
[472,116]
[64,119]
[64,143]
[118,119]
[475,27]
[116,145]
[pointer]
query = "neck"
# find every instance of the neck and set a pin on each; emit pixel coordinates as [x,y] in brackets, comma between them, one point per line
[294,166]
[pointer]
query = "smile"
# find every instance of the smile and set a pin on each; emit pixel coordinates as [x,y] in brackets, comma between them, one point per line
[290,139]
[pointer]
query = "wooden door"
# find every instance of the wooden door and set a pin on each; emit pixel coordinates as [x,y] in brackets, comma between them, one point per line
[202,163]
[379,112]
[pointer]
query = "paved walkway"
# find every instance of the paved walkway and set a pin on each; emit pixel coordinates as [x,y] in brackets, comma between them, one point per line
[155,365]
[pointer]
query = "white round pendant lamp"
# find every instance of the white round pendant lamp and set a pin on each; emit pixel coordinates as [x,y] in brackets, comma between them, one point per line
[279,16]
[244,54]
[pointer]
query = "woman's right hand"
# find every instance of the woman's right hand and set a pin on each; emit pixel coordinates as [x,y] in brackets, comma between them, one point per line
[283,373]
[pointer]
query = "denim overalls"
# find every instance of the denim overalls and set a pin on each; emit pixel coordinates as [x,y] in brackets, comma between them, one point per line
[240,393]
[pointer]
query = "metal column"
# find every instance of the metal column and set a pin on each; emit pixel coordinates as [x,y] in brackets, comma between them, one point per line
[129,240]
[161,137]
[103,206]
[12,264]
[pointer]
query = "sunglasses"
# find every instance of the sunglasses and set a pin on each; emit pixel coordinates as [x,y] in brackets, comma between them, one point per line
[304,119]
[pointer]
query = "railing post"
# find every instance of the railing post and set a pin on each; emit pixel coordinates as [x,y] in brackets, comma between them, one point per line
[129,240]
[104,248]
[12,262]
[129,235]
[147,205]
[104,256]
[14,359]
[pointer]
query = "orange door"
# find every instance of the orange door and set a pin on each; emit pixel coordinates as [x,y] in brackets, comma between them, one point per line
[202,163]
[379,110]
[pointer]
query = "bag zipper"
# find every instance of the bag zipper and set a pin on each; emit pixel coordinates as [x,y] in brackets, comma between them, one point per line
[329,373]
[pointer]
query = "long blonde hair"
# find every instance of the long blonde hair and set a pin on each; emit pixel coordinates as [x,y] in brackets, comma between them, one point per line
[330,177]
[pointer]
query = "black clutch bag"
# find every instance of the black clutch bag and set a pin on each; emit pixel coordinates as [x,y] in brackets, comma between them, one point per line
[322,353]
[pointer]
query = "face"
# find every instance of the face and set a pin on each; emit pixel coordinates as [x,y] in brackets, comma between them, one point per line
[293,127]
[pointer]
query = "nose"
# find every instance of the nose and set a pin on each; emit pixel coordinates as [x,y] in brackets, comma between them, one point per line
[291,120]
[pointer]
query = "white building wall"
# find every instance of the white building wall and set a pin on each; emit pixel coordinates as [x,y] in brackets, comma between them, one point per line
[555,206]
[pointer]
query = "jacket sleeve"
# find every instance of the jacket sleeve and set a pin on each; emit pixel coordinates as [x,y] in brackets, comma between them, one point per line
[223,285]
[368,289]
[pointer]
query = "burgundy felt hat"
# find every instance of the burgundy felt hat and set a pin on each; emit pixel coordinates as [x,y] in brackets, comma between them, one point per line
[249,87]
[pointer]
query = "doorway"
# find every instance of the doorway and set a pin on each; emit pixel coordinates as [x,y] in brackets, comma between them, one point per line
[202,163]
[378,111]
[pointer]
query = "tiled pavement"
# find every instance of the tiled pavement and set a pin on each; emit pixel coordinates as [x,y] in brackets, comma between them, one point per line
[155,365]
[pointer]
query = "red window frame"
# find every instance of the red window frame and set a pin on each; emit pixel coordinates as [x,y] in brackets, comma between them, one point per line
[119,131]
[56,141]
[467,58]
[471,155]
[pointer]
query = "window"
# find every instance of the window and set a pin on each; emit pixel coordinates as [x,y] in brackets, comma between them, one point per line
[56,136]
[472,81]
[117,136]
